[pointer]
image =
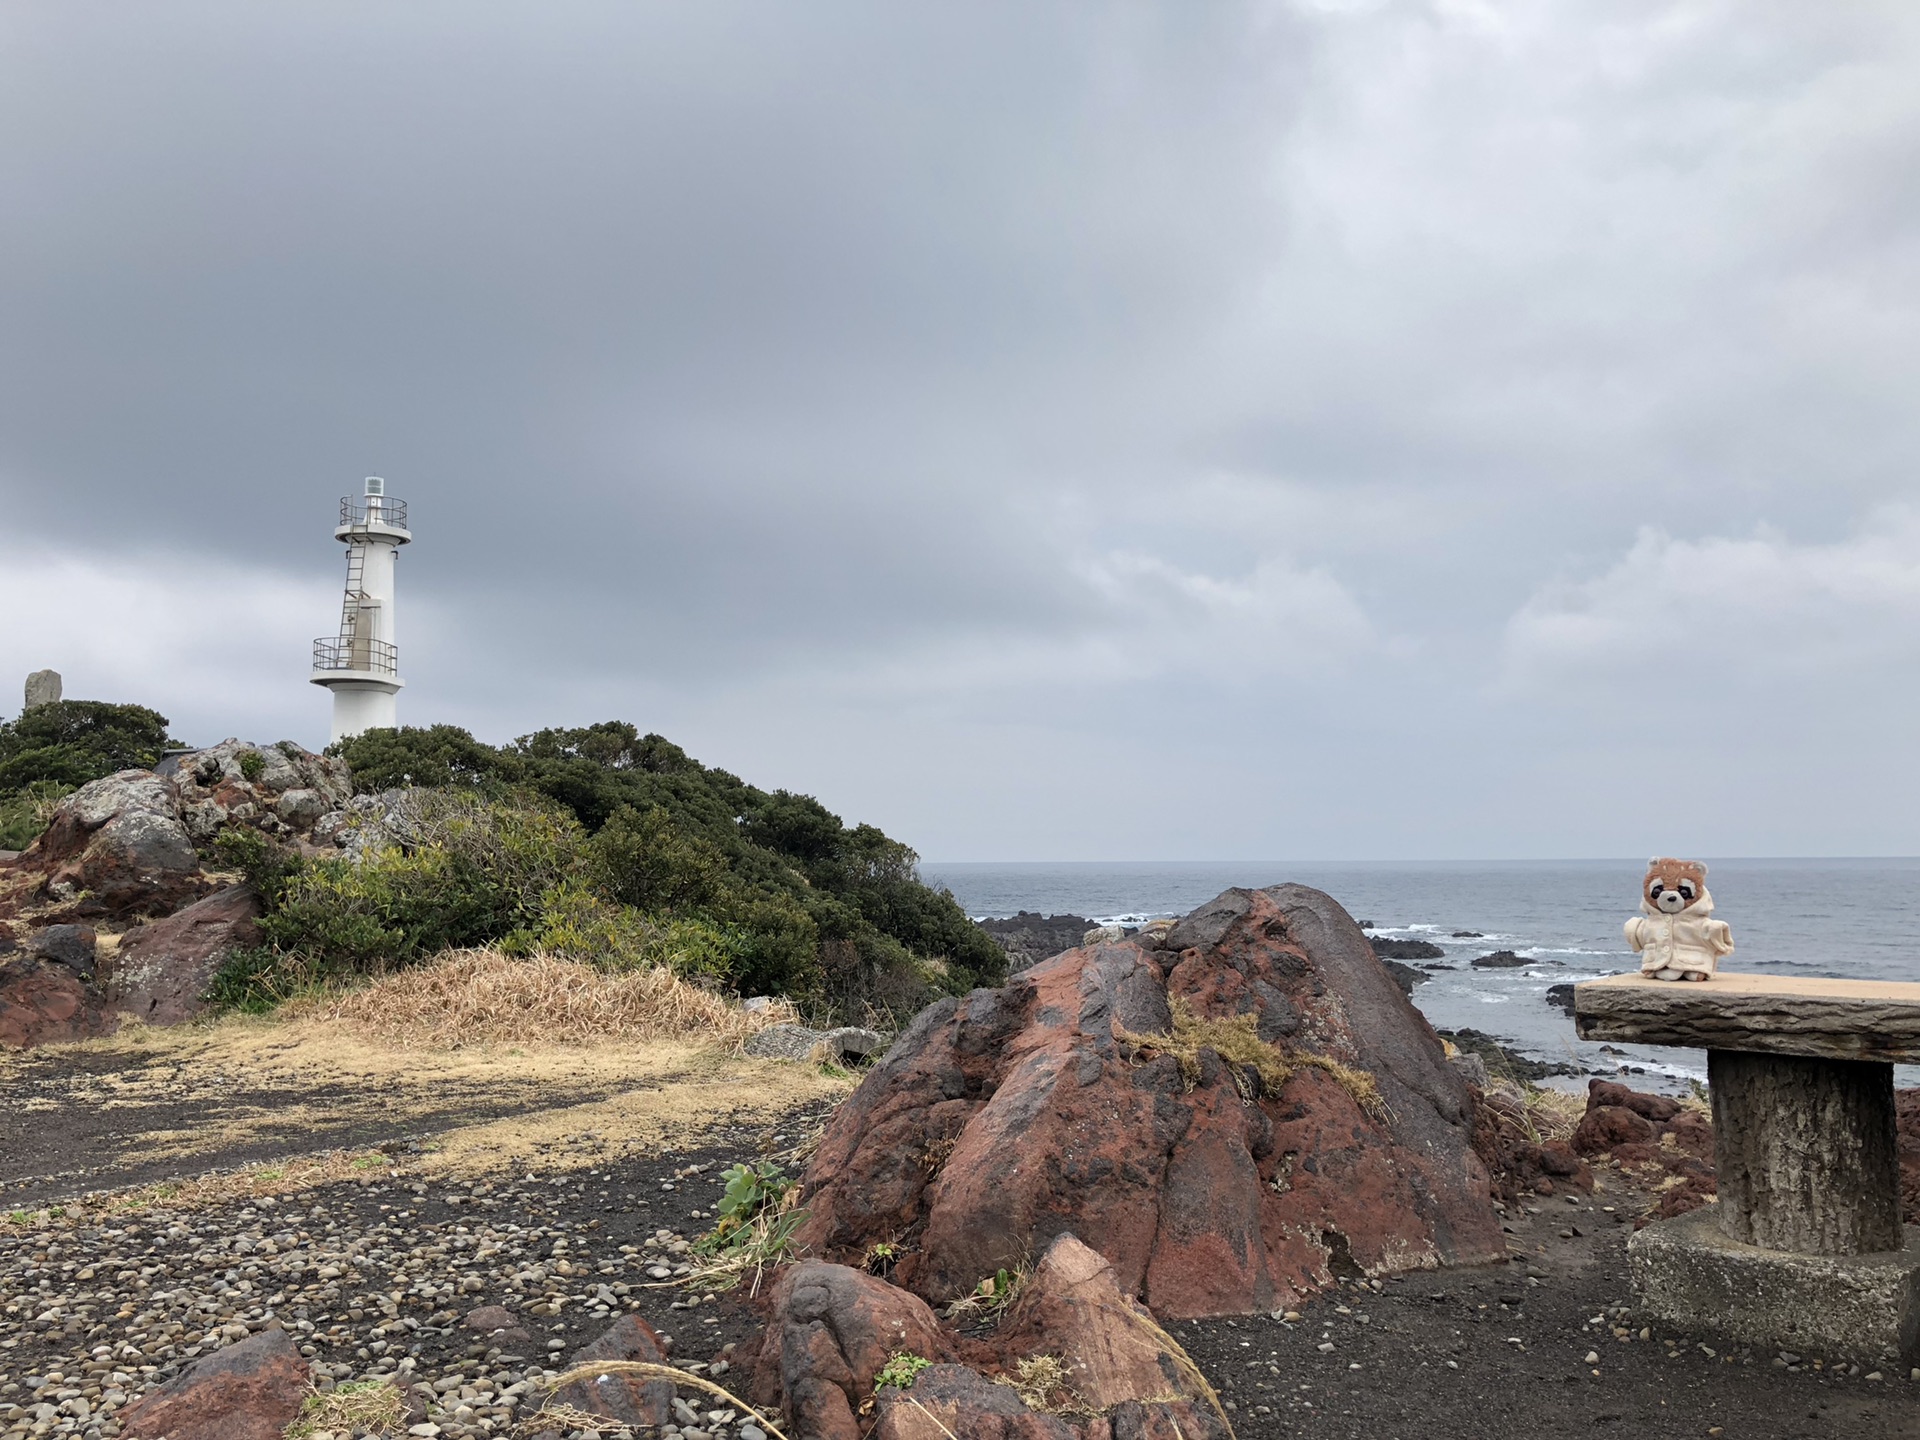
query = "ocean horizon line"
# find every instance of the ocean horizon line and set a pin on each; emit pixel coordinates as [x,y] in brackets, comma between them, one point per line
[1428,863]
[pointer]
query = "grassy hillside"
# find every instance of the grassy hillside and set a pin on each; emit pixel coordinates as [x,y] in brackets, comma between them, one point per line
[619,848]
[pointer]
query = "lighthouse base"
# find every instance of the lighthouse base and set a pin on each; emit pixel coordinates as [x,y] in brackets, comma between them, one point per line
[362,703]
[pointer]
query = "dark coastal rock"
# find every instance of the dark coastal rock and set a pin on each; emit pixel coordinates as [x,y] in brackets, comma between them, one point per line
[1072,1306]
[1655,1136]
[1003,1120]
[1405,949]
[1653,1107]
[249,1391]
[1467,935]
[830,1330]
[163,968]
[1500,960]
[1521,1164]
[1605,1127]
[1029,938]
[1405,976]
[625,1399]
[1502,1060]
[1561,998]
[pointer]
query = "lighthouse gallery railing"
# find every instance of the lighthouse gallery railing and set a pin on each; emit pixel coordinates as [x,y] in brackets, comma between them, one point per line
[349,653]
[374,510]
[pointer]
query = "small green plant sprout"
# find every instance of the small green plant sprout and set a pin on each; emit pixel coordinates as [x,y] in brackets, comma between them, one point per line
[252,765]
[880,1258]
[991,1296]
[759,1214]
[902,1368]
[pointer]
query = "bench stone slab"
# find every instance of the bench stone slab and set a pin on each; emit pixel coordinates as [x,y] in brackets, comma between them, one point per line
[1766,1014]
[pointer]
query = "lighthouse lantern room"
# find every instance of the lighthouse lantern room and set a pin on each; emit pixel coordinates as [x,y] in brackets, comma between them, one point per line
[361,665]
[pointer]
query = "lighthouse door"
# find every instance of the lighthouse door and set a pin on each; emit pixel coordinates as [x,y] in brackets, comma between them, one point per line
[366,629]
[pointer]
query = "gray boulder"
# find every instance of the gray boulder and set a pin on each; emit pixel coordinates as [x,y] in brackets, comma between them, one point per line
[73,946]
[847,1045]
[119,847]
[282,789]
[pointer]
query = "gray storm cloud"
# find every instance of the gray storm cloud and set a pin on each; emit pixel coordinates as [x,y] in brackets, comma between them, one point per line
[1079,431]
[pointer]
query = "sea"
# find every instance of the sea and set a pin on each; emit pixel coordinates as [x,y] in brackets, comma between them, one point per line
[1854,919]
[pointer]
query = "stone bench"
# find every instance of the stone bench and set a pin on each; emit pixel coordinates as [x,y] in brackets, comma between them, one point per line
[1805,1248]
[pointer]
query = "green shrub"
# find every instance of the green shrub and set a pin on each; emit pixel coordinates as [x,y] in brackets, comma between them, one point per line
[646,861]
[52,750]
[253,981]
[262,861]
[765,892]
[74,741]
[464,870]
[252,765]
[28,810]
[435,756]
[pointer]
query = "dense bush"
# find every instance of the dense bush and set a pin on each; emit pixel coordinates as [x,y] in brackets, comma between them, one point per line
[604,844]
[52,750]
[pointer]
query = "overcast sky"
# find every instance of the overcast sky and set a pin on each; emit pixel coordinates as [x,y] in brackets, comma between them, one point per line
[1047,431]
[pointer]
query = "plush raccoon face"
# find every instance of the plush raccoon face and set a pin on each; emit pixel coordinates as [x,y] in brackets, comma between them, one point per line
[1672,885]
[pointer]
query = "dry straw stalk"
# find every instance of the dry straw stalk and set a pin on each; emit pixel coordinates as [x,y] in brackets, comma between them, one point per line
[482,997]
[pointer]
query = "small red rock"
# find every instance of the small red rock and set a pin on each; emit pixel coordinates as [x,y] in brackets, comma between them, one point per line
[1606,1126]
[628,1399]
[248,1391]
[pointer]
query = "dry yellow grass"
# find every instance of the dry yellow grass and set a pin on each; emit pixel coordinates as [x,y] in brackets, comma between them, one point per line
[1236,1040]
[475,1109]
[481,997]
[1041,1384]
[1554,1113]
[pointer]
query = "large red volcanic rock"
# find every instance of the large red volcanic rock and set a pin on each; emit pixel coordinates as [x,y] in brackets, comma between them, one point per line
[1006,1119]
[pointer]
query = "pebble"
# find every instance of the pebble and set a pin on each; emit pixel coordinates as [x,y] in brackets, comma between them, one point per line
[96,1313]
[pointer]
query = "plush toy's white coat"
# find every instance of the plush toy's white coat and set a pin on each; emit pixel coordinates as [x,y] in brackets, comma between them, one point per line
[1680,946]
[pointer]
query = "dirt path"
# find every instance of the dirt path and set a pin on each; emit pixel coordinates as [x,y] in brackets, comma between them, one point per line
[151,1106]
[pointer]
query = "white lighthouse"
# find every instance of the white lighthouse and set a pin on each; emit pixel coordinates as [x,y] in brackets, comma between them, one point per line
[361,665]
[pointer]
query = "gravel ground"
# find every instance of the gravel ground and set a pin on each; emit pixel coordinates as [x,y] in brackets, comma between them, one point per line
[372,1277]
[1546,1347]
[373,1266]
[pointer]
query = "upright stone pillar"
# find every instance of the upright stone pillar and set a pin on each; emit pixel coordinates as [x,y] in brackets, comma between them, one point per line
[43,688]
[1807,1152]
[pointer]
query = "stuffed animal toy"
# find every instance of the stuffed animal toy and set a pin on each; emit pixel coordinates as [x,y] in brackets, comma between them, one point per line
[1675,934]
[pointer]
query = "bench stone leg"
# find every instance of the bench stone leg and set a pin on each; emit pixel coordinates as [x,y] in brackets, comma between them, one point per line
[1804,1249]
[1807,1153]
